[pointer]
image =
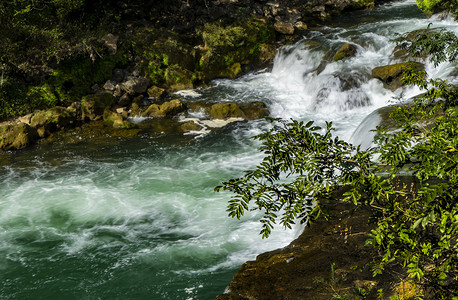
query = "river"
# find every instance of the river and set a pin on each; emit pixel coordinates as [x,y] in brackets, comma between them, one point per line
[137,218]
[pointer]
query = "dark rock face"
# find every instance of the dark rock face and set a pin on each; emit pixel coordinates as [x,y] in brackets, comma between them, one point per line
[328,258]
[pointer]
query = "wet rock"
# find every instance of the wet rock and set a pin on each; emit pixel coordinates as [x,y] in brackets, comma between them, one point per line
[225,111]
[116,120]
[284,27]
[255,110]
[172,107]
[153,111]
[17,136]
[156,92]
[51,120]
[392,75]
[135,85]
[93,106]
[166,109]
[325,260]
[346,51]
[190,126]
[177,78]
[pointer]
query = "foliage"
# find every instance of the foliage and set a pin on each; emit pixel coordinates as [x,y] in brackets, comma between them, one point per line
[410,178]
[431,6]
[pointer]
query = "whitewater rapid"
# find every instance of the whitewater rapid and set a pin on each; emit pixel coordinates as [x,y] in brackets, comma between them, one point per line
[139,217]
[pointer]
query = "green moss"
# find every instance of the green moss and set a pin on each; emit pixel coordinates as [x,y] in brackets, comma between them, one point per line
[156,50]
[358,4]
[238,44]
[428,6]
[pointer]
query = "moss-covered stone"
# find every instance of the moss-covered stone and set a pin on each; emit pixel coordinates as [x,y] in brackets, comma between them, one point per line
[177,78]
[392,75]
[255,110]
[189,126]
[166,109]
[93,106]
[172,107]
[360,4]
[229,49]
[225,111]
[346,51]
[116,120]
[157,50]
[156,92]
[429,6]
[17,136]
[51,120]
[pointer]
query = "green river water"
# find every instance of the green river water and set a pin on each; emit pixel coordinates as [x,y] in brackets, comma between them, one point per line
[137,218]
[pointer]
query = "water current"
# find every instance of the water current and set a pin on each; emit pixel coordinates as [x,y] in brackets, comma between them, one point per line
[137,218]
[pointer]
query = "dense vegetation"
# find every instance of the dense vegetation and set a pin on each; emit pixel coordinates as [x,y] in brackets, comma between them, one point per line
[53,52]
[410,178]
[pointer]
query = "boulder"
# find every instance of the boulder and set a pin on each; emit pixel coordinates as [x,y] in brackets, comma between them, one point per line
[430,7]
[255,110]
[172,107]
[51,120]
[93,106]
[225,111]
[135,85]
[116,120]
[189,126]
[17,136]
[166,109]
[156,92]
[392,75]
[177,78]
[284,27]
[347,50]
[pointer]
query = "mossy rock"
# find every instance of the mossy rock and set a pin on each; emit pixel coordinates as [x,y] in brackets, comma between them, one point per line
[392,75]
[429,6]
[116,120]
[360,4]
[156,92]
[346,51]
[93,106]
[230,50]
[177,78]
[172,107]
[17,136]
[166,109]
[157,50]
[226,110]
[255,110]
[51,120]
[189,126]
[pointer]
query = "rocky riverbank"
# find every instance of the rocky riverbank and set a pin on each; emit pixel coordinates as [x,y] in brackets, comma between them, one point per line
[141,63]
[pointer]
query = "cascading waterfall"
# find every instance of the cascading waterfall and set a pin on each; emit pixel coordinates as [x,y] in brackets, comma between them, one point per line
[137,218]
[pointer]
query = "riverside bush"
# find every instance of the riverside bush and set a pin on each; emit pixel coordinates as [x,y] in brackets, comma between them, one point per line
[417,224]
